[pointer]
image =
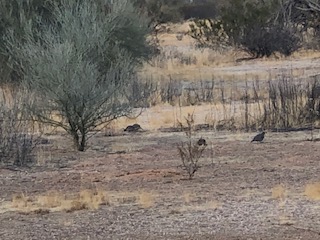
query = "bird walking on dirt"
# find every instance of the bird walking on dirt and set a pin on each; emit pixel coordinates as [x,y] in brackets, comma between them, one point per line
[133,128]
[202,141]
[259,137]
[137,127]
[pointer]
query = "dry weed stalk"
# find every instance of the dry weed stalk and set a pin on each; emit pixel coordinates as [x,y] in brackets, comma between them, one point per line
[189,151]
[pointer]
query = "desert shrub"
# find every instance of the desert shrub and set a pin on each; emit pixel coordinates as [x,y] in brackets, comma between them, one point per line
[189,151]
[247,25]
[263,41]
[17,138]
[305,16]
[83,65]
[291,105]
[13,15]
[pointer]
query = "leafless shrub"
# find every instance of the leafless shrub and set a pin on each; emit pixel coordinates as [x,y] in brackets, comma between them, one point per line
[140,91]
[171,91]
[291,105]
[312,108]
[190,151]
[200,92]
[17,139]
[285,106]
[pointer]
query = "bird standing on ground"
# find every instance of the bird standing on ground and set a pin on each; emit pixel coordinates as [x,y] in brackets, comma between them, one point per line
[137,127]
[202,141]
[259,137]
[133,128]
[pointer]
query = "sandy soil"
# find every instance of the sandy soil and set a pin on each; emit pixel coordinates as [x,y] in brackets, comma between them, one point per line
[243,190]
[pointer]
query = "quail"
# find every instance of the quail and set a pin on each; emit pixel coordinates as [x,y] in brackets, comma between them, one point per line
[133,128]
[202,141]
[136,126]
[259,137]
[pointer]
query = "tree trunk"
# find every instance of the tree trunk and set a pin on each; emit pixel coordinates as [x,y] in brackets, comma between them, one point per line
[83,142]
[79,143]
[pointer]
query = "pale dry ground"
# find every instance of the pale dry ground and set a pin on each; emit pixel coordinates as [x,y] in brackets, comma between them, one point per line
[243,191]
[166,116]
[206,64]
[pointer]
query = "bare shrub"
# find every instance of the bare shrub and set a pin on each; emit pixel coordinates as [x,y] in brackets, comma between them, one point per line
[200,92]
[312,108]
[285,106]
[171,91]
[190,151]
[17,139]
[291,105]
[140,91]
[263,41]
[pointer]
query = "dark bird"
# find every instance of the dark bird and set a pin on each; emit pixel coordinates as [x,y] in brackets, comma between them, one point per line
[259,137]
[129,129]
[133,128]
[137,127]
[202,141]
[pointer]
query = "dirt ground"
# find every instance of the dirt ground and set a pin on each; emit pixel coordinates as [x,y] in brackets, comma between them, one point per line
[243,190]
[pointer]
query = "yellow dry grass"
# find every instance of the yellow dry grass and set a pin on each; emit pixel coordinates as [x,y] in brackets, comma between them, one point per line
[57,201]
[52,199]
[20,201]
[146,199]
[279,192]
[165,115]
[312,191]
[188,197]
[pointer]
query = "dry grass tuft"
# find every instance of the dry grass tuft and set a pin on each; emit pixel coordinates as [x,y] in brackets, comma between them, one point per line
[52,199]
[188,197]
[146,199]
[20,201]
[312,191]
[94,198]
[174,211]
[41,211]
[76,205]
[285,220]
[279,192]
[55,201]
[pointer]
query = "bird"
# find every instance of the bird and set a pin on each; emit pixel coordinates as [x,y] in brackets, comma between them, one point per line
[133,128]
[137,126]
[259,137]
[202,141]
[129,129]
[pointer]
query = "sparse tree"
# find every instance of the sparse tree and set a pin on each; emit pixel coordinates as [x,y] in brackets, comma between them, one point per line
[82,67]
